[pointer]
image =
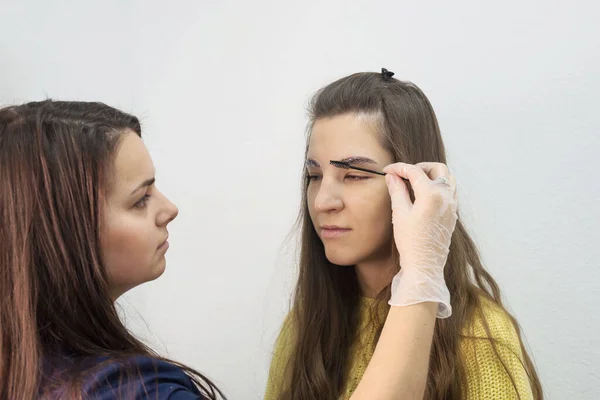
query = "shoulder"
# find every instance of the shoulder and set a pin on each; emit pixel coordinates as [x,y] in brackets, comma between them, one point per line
[139,377]
[280,358]
[499,324]
[285,339]
[493,356]
[287,331]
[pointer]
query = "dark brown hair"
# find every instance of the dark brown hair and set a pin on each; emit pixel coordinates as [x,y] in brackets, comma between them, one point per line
[324,313]
[55,160]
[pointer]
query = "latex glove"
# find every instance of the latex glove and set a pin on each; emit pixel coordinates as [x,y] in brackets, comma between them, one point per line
[422,232]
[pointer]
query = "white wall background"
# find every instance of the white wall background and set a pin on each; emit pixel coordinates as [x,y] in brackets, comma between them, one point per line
[221,88]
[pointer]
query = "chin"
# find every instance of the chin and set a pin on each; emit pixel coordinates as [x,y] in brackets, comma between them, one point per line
[341,257]
[158,270]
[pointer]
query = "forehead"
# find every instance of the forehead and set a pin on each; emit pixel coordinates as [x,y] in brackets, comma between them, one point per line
[132,163]
[346,135]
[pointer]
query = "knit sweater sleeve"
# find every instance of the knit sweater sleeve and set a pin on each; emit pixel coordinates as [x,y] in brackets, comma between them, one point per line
[491,376]
[279,360]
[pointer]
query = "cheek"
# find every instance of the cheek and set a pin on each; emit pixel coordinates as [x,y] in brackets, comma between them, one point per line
[128,250]
[310,201]
[374,219]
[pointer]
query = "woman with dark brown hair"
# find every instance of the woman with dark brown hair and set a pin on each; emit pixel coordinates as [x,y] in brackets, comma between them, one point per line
[350,271]
[82,222]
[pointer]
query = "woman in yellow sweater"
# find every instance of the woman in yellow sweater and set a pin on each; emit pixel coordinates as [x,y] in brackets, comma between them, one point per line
[349,263]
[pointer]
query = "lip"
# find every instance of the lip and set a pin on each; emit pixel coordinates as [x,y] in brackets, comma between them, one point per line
[333,231]
[164,245]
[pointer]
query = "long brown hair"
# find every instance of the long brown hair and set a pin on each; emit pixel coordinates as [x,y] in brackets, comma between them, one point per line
[326,299]
[55,161]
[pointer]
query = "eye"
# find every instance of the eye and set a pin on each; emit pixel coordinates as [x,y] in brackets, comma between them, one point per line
[313,177]
[143,202]
[357,177]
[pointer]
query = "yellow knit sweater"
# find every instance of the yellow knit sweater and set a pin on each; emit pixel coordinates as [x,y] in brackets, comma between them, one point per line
[486,377]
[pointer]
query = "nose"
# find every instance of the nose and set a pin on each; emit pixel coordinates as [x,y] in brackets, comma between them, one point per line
[329,197]
[168,212]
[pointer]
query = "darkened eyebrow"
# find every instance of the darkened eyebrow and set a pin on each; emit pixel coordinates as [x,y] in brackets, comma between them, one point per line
[147,182]
[312,163]
[357,160]
[349,160]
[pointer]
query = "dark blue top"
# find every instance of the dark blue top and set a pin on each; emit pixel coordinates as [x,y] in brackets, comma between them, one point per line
[137,378]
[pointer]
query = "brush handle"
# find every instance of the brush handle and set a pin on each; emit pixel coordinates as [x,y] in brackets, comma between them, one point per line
[366,170]
[373,172]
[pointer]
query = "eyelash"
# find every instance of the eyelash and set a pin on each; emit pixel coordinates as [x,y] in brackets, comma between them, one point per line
[143,201]
[311,178]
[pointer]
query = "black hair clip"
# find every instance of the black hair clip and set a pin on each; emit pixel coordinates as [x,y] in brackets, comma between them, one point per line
[386,75]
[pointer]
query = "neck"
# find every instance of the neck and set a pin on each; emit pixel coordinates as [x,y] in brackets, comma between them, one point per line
[374,276]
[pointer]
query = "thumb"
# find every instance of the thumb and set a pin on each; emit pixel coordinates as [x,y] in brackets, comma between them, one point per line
[398,193]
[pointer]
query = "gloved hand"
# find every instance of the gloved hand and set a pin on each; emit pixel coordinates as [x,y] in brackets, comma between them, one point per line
[422,232]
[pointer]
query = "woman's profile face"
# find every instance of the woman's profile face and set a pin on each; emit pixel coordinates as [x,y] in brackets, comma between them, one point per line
[350,210]
[134,240]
